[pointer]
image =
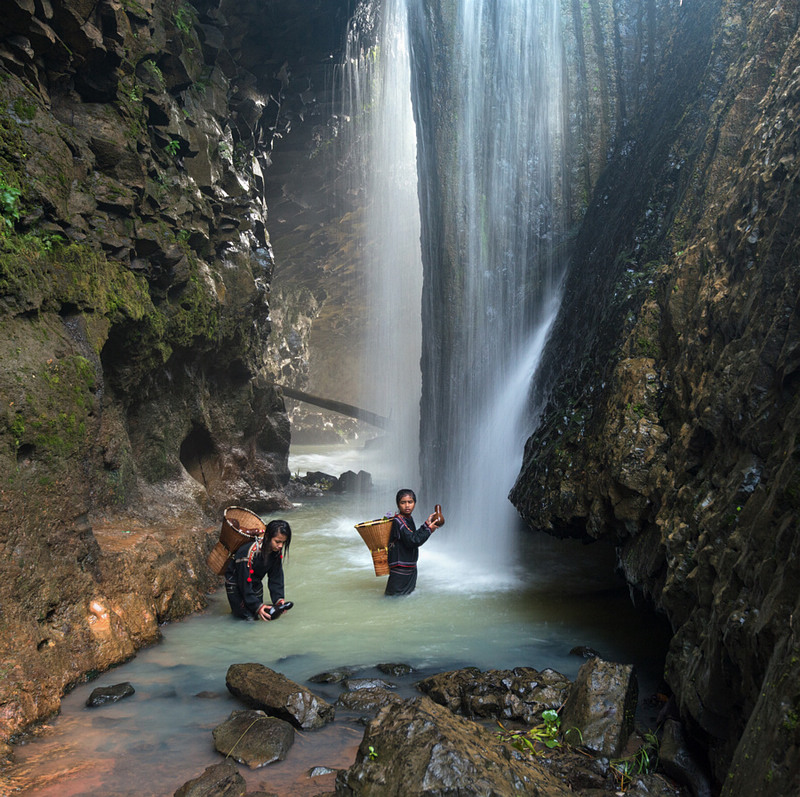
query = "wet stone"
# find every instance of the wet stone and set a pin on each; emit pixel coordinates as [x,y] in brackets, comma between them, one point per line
[354,684]
[395,669]
[264,689]
[109,694]
[331,676]
[221,780]
[254,739]
[367,701]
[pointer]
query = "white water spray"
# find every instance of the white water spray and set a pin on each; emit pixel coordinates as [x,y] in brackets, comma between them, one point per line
[503,211]
[504,219]
[382,133]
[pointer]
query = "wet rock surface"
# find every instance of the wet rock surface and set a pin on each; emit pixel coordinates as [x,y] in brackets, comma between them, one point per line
[602,705]
[520,694]
[253,738]
[421,748]
[220,780]
[262,688]
[412,745]
[367,701]
[109,694]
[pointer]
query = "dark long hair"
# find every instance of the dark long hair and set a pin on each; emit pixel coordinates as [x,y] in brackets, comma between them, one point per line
[402,493]
[274,528]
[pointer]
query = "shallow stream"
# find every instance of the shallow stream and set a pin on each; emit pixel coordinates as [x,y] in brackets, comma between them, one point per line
[560,595]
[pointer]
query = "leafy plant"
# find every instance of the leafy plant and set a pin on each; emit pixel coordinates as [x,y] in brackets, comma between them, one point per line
[9,206]
[183,19]
[643,761]
[545,734]
[155,70]
[373,753]
[173,147]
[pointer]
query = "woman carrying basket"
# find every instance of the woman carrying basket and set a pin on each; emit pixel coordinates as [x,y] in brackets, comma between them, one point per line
[244,576]
[404,545]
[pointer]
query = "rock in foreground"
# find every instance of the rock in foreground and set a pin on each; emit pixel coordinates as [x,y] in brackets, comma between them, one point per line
[253,738]
[219,780]
[262,688]
[519,694]
[421,748]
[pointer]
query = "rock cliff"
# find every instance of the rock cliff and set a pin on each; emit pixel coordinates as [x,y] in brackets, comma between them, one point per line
[137,357]
[669,415]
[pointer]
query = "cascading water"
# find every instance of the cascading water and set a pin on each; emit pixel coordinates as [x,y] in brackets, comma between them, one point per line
[490,300]
[491,233]
[381,140]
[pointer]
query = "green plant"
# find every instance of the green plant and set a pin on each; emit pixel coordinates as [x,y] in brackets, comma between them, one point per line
[643,761]
[545,734]
[9,206]
[18,429]
[156,72]
[183,19]
[639,409]
[373,753]
[24,109]
[134,92]
[173,147]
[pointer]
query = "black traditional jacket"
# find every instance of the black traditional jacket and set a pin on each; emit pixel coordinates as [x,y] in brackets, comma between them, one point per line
[403,554]
[245,574]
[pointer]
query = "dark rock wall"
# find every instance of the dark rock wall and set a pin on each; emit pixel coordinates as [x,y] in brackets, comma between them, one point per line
[670,413]
[137,359]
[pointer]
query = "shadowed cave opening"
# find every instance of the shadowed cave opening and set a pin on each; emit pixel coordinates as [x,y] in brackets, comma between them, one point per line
[199,456]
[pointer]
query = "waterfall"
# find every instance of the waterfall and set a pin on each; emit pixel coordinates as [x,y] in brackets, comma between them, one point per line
[490,235]
[381,142]
[483,80]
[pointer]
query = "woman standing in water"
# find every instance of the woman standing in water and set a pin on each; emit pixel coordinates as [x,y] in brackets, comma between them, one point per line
[404,545]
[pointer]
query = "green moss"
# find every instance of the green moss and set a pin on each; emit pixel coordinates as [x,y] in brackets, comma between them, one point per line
[59,401]
[24,109]
[43,274]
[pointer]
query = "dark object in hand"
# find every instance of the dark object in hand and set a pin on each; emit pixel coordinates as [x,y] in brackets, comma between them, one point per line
[438,517]
[278,609]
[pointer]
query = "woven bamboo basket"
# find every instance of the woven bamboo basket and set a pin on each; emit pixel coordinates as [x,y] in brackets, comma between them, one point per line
[376,534]
[238,527]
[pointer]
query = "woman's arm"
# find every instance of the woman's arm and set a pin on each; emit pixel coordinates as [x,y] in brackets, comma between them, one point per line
[275,578]
[409,535]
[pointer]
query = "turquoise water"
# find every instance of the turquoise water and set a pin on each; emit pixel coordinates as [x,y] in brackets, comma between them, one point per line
[532,614]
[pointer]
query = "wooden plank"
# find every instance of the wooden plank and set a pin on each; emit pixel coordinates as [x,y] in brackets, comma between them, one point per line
[350,410]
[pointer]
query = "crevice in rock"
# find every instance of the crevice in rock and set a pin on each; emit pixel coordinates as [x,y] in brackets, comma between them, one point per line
[199,456]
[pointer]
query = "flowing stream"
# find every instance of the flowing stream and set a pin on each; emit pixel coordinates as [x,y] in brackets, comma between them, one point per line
[152,742]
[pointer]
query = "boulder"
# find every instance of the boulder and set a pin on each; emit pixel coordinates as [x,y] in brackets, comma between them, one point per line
[262,688]
[350,482]
[602,706]
[253,738]
[219,780]
[520,694]
[367,701]
[109,694]
[420,748]
[332,676]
